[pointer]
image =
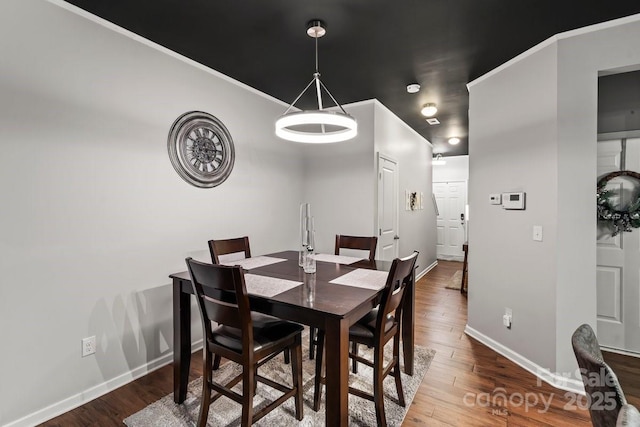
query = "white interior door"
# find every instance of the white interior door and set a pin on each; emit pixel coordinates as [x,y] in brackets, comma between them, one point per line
[387,208]
[618,257]
[451,198]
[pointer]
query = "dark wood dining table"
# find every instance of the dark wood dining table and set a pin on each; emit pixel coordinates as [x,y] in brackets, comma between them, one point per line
[333,308]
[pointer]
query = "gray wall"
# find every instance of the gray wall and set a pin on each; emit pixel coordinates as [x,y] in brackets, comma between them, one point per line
[580,59]
[417,228]
[346,178]
[94,217]
[339,183]
[533,128]
[512,148]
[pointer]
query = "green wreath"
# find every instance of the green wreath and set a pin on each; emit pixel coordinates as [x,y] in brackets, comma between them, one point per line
[619,219]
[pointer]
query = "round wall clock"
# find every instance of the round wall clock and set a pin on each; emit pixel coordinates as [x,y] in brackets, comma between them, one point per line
[201,149]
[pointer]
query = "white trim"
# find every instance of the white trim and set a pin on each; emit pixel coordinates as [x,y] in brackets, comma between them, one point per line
[620,351]
[554,39]
[426,270]
[381,156]
[113,27]
[458,258]
[552,378]
[628,134]
[96,391]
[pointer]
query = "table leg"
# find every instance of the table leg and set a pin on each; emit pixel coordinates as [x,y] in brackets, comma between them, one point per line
[337,372]
[181,341]
[408,317]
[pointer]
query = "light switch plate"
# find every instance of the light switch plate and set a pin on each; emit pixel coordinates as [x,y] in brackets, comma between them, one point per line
[537,233]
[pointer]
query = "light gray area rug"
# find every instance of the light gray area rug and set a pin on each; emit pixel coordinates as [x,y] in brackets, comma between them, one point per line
[225,412]
[455,281]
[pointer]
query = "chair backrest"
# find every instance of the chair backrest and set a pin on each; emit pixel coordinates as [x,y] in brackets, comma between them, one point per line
[222,297]
[399,276]
[357,242]
[600,382]
[229,246]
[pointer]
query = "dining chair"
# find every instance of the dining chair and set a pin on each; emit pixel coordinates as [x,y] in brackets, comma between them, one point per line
[357,242]
[604,393]
[363,243]
[244,337]
[375,330]
[218,248]
[629,416]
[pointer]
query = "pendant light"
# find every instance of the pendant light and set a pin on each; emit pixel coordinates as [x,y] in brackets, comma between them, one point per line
[316,126]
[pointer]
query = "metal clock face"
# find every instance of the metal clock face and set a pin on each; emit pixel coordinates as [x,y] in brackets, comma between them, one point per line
[201,149]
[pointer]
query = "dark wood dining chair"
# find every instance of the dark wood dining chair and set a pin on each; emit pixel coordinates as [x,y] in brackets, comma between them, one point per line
[247,338]
[357,242]
[375,330]
[218,248]
[362,243]
[604,394]
[229,246]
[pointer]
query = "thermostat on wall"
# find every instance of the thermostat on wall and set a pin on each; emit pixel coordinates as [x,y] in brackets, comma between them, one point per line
[513,200]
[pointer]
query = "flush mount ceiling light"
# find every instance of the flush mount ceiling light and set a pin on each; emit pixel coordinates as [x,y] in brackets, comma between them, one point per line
[454,140]
[316,126]
[413,88]
[438,160]
[429,110]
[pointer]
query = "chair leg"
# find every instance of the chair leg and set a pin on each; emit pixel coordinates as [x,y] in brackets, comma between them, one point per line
[378,391]
[354,362]
[206,390]
[317,391]
[312,341]
[296,373]
[255,382]
[396,370]
[287,356]
[216,362]
[248,386]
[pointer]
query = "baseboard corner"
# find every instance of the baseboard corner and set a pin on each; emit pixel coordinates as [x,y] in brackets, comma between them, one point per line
[554,379]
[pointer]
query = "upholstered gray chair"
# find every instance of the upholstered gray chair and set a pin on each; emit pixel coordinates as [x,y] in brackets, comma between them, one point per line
[606,398]
[628,417]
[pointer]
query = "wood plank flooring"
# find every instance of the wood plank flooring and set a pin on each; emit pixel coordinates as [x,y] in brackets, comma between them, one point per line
[461,388]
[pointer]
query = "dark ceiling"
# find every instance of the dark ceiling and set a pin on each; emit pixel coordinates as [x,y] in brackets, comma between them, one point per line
[373,48]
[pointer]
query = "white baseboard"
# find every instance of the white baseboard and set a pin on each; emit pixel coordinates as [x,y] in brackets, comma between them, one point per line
[619,351]
[459,258]
[551,378]
[426,270]
[96,391]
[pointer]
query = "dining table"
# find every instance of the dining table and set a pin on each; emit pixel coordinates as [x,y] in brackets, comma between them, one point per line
[322,300]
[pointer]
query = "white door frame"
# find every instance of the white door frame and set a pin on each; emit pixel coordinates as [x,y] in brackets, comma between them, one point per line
[465,224]
[381,156]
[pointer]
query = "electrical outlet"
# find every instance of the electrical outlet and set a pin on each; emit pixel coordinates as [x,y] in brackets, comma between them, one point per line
[88,346]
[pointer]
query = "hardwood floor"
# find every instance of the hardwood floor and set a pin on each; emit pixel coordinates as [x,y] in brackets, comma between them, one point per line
[462,387]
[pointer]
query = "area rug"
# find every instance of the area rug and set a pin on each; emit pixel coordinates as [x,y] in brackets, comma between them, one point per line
[225,412]
[455,281]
